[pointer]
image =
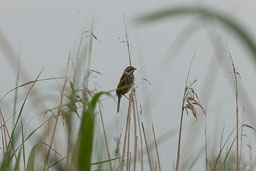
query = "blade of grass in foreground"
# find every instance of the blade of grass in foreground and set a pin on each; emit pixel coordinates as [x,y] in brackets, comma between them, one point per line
[218,157]
[28,83]
[105,161]
[31,159]
[227,154]
[16,166]
[9,154]
[208,15]
[85,140]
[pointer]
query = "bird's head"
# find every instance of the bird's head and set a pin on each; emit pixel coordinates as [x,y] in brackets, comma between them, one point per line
[129,70]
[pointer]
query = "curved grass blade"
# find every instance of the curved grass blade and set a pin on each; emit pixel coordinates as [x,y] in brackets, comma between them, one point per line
[226,156]
[8,157]
[16,166]
[208,15]
[31,159]
[85,140]
[218,157]
[104,161]
[28,83]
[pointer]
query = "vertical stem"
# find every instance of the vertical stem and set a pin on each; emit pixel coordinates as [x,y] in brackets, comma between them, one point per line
[127,42]
[2,135]
[205,137]
[135,135]
[128,143]
[140,133]
[158,159]
[105,137]
[237,118]
[9,136]
[149,160]
[135,152]
[180,130]
[126,129]
[237,138]
[124,145]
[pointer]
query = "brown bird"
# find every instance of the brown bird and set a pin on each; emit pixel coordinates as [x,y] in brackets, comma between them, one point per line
[125,84]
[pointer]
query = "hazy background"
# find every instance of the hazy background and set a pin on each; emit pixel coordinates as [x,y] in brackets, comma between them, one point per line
[43,33]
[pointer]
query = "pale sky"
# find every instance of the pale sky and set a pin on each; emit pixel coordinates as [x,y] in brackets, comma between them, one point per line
[44,32]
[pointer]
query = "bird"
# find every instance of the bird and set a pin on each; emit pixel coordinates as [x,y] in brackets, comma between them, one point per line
[125,84]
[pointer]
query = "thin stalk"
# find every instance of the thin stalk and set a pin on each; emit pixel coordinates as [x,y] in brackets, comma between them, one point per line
[105,137]
[135,136]
[241,139]
[180,130]
[126,129]
[135,152]
[8,134]
[149,160]
[140,133]
[2,135]
[205,138]
[158,158]
[182,112]
[57,118]
[127,42]
[128,143]
[237,118]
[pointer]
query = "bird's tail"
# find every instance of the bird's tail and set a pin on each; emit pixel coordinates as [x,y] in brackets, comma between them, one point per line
[118,103]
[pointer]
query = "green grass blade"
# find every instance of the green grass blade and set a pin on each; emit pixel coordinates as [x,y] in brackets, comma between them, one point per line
[226,156]
[6,162]
[28,83]
[54,164]
[218,157]
[23,144]
[104,161]
[31,159]
[32,132]
[24,102]
[9,155]
[16,166]
[15,96]
[208,15]
[85,141]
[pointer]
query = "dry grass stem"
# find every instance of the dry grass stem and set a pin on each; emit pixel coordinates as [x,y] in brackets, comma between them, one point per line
[127,41]
[179,139]
[206,150]
[189,102]
[59,113]
[237,117]
[158,158]
[2,135]
[126,130]
[140,134]
[135,153]
[135,134]
[146,143]
[8,134]
[128,143]
[105,137]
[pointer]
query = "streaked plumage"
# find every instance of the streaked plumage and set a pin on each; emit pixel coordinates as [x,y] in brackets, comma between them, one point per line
[125,84]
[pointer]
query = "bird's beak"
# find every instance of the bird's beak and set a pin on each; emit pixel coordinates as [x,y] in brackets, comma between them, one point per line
[135,69]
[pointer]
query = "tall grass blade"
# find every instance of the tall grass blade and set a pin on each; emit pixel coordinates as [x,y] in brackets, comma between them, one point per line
[31,159]
[85,140]
[16,166]
[23,144]
[208,15]
[226,156]
[218,157]
[9,155]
